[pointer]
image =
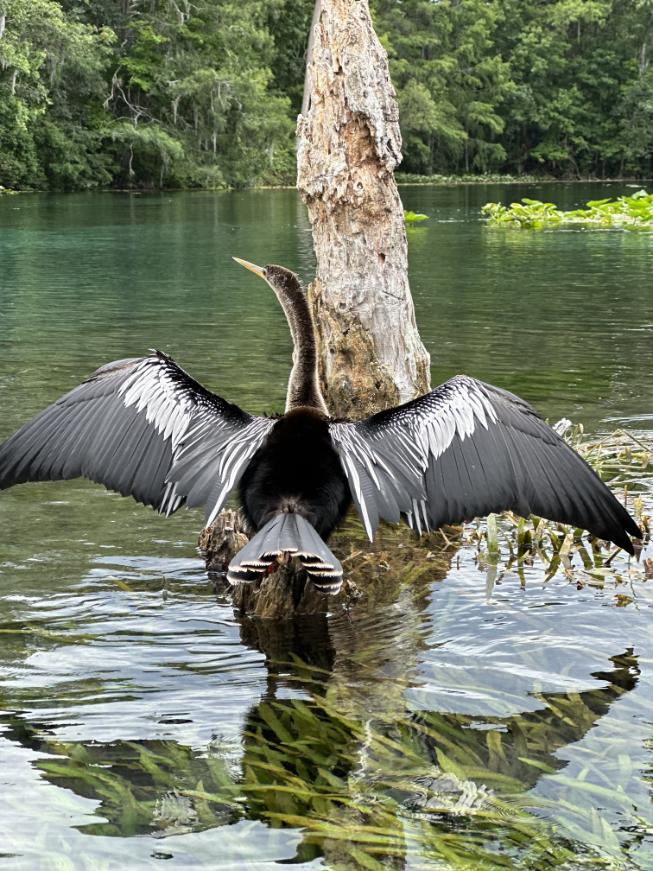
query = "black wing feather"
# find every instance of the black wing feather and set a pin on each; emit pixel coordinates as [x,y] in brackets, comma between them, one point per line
[127,426]
[467,449]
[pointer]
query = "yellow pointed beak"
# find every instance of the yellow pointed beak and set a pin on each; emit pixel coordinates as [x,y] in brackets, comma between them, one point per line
[257,270]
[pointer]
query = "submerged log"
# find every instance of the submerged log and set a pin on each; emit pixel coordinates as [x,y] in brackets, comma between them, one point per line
[348,145]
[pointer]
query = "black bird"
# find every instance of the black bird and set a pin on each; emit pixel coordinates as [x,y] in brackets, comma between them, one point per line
[145,428]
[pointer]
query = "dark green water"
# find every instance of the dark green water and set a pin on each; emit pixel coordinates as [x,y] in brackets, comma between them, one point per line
[448,723]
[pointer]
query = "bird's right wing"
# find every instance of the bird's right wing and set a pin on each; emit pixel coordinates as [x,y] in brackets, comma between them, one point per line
[467,449]
[144,428]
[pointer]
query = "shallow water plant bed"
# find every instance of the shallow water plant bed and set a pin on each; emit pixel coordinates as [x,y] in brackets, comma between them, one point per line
[634,212]
[414,217]
[512,543]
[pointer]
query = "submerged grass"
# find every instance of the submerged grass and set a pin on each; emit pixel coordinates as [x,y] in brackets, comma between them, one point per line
[365,790]
[634,212]
[369,781]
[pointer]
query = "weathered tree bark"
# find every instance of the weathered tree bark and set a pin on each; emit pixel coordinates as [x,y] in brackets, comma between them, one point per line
[349,143]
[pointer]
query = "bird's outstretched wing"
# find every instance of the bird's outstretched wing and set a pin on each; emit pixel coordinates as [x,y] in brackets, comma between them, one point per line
[467,449]
[144,428]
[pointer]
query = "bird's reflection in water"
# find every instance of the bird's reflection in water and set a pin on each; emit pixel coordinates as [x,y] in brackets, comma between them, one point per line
[333,749]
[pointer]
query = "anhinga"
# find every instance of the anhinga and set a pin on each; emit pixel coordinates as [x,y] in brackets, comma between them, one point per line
[145,428]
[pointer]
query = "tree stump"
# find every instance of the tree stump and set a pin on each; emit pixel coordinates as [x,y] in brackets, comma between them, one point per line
[371,355]
[348,145]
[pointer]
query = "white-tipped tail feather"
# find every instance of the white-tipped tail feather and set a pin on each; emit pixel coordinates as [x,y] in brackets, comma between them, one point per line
[286,536]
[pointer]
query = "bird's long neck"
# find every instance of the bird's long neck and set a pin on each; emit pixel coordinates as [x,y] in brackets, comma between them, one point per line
[303,384]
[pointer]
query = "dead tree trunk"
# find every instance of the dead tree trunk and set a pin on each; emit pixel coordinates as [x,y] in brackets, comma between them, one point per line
[371,354]
[349,144]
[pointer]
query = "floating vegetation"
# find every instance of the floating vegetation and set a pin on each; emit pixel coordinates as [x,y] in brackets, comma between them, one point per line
[414,217]
[407,178]
[634,212]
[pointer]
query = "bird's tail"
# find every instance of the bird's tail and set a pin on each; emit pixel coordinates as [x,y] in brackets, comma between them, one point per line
[285,536]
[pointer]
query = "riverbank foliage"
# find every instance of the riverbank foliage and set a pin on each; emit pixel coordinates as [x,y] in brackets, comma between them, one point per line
[629,212]
[169,93]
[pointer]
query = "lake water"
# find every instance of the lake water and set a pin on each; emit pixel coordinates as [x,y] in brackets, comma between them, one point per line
[465,719]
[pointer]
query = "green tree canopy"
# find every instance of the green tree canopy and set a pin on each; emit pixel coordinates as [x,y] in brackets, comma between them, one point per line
[165,93]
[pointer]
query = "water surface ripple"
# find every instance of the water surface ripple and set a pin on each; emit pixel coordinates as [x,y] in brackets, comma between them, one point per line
[475,717]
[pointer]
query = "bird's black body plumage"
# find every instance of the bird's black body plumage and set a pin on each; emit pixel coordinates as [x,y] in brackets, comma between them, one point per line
[296,470]
[145,428]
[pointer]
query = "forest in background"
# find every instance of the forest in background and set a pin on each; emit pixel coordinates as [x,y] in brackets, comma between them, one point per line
[205,93]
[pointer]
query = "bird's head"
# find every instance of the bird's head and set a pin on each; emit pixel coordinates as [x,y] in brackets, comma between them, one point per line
[283,282]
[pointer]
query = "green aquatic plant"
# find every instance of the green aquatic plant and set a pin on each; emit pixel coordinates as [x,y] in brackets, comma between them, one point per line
[414,217]
[367,788]
[634,212]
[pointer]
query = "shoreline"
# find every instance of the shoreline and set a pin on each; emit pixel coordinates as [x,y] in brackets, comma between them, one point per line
[401,179]
[456,181]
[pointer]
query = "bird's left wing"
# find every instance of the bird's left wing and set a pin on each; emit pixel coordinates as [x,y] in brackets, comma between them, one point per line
[467,449]
[144,428]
